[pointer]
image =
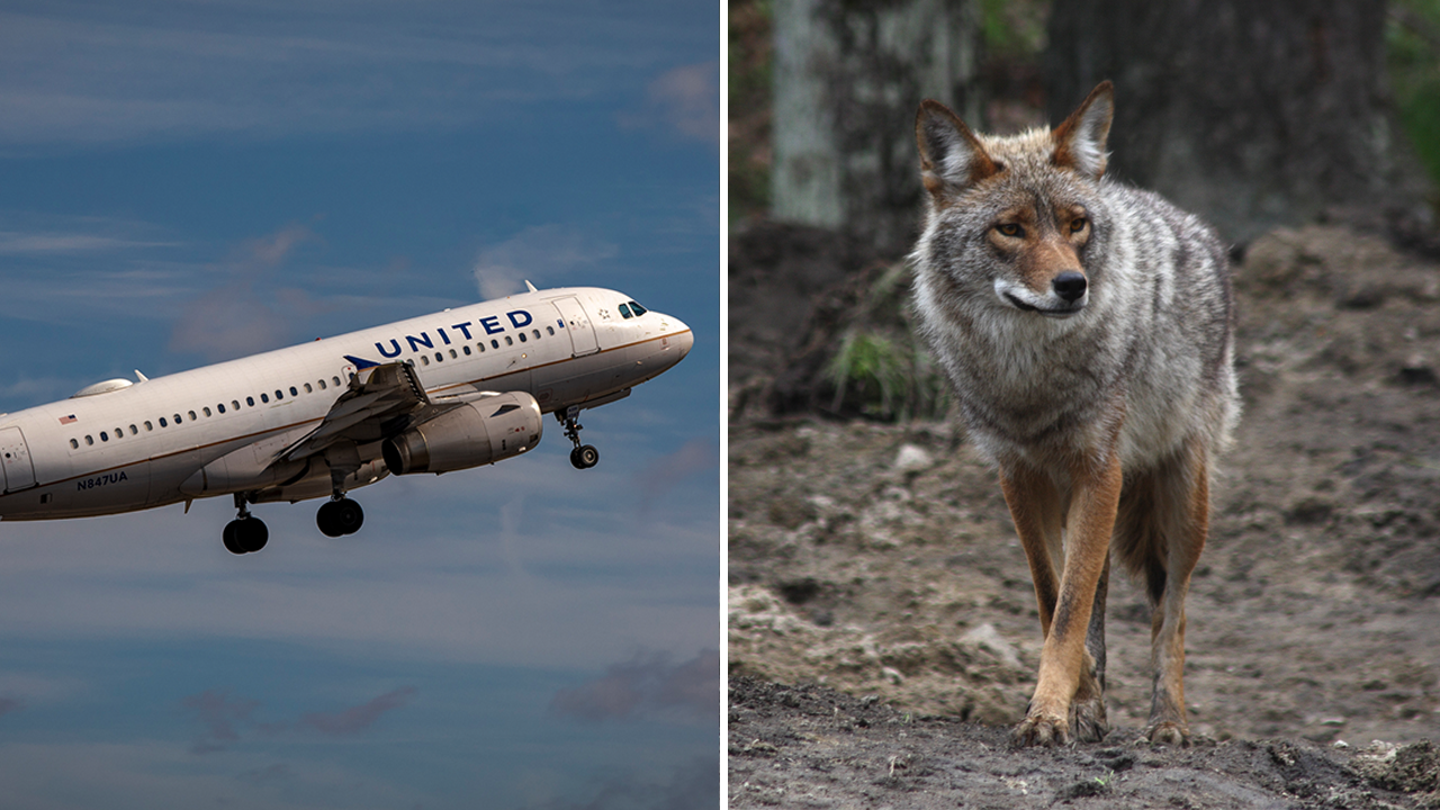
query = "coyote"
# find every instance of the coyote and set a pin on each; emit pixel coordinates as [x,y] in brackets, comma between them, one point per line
[1086,328]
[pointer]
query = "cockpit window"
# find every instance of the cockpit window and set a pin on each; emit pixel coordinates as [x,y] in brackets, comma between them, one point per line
[625,311]
[639,310]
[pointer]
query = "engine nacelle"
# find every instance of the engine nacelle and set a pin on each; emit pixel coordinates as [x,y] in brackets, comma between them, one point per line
[480,432]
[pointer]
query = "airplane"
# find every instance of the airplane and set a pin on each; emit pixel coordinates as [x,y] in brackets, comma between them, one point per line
[449,391]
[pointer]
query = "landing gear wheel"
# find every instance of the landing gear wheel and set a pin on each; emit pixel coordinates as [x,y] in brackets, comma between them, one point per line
[232,544]
[584,457]
[337,518]
[244,535]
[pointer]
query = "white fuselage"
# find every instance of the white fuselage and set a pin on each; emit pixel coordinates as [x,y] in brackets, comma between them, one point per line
[137,446]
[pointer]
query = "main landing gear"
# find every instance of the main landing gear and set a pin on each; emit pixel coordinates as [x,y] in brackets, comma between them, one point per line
[339,516]
[584,456]
[245,533]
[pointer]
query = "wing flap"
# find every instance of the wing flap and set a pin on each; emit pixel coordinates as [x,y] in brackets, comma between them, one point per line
[388,394]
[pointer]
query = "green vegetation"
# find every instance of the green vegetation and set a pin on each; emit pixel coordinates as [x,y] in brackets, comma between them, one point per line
[882,369]
[1413,53]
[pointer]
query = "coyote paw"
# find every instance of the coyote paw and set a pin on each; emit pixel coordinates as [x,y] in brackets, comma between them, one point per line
[1090,722]
[1042,731]
[1169,733]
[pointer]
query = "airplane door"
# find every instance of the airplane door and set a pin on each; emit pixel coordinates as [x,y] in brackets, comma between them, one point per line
[577,323]
[19,473]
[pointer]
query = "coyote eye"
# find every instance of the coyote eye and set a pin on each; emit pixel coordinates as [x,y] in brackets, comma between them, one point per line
[1010,229]
[1078,224]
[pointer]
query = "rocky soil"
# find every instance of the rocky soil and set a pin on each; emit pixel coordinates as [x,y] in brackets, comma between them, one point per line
[883,629]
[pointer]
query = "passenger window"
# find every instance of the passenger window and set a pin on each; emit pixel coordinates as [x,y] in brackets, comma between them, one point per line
[424,359]
[177,419]
[551,330]
[537,333]
[74,445]
[149,426]
[322,384]
[264,397]
[235,403]
[453,355]
[467,350]
[308,389]
[104,437]
[337,381]
[89,440]
[625,310]
[293,392]
[279,395]
[193,417]
[250,401]
[522,337]
[508,341]
[439,358]
[163,423]
[220,407]
[494,344]
[481,346]
[206,411]
[134,431]
[119,433]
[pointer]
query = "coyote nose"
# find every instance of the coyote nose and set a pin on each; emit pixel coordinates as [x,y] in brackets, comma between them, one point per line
[1069,285]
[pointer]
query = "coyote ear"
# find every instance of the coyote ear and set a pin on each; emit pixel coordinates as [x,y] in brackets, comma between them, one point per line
[1080,140]
[951,157]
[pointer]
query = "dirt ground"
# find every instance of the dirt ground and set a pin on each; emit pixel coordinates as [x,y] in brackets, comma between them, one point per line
[882,624]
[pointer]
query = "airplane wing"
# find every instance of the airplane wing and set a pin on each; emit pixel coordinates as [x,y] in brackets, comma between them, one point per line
[385,402]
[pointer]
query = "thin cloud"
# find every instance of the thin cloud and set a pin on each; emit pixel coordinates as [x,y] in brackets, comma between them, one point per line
[663,474]
[8,705]
[235,320]
[545,252]
[646,685]
[279,772]
[693,784]
[684,100]
[274,248]
[224,720]
[121,76]
[219,716]
[356,719]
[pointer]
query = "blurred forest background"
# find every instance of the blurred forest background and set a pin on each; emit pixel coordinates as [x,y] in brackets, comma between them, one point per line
[1253,115]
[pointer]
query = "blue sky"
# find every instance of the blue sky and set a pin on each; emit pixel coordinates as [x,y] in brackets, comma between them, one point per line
[186,182]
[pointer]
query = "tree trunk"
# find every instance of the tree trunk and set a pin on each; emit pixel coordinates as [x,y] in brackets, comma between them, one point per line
[1252,113]
[849,75]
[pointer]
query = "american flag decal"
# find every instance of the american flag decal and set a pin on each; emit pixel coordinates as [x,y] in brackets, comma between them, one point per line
[65,420]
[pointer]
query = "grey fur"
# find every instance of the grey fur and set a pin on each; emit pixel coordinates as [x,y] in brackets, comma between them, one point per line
[1156,330]
[1080,321]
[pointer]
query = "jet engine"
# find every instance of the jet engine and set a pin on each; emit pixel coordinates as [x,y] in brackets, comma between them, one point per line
[481,431]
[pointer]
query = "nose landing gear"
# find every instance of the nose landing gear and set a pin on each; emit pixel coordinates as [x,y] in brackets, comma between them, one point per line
[584,456]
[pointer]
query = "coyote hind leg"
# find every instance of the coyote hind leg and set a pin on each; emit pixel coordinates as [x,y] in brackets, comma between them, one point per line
[1163,525]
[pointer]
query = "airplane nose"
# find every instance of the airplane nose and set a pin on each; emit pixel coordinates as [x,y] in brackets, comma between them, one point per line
[684,340]
[678,337]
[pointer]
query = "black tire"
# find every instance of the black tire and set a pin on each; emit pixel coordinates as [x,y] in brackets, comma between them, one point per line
[587,455]
[325,519]
[349,517]
[252,534]
[232,543]
[575,459]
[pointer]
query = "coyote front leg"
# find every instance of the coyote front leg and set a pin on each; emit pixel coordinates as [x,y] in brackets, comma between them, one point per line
[1068,681]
